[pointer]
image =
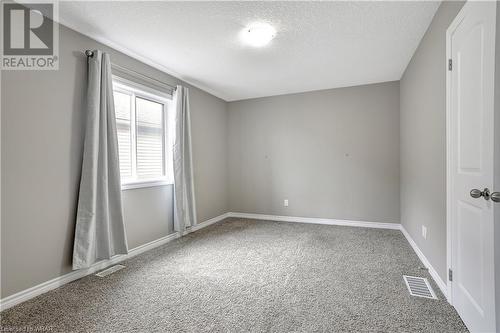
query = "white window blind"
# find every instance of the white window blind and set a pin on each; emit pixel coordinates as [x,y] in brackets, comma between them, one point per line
[150,139]
[123,119]
[141,121]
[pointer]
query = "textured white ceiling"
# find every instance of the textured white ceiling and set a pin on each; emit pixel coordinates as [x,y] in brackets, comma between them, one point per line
[319,45]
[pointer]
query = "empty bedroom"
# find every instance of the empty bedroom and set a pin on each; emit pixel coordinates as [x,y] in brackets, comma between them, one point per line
[250,166]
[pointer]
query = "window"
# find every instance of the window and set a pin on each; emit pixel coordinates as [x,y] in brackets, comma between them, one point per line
[142,121]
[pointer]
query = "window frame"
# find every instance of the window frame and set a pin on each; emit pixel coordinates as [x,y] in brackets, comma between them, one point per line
[137,90]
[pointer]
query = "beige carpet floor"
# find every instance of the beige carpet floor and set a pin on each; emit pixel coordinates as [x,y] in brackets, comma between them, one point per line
[250,276]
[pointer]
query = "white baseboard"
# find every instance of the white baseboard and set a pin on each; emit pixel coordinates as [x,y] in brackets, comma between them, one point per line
[209,222]
[314,220]
[435,276]
[57,282]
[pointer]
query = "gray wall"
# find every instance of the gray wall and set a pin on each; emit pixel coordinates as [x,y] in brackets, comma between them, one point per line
[423,140]
[42,132]
[497,166]
[209,127]
[331,153]
[148,214]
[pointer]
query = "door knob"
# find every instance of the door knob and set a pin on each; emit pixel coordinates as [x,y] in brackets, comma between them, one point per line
[475,193]
[495,196]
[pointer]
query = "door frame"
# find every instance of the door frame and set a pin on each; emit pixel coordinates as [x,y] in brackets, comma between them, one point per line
[449,249]
[453,26]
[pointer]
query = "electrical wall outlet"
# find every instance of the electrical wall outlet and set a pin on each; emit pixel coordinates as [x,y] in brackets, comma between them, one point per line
[424,232]
[285,202]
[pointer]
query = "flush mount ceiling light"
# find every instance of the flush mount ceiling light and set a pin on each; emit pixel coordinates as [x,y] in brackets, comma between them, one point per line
[258,34]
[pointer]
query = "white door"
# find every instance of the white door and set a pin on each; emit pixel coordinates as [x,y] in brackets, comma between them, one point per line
[471,48]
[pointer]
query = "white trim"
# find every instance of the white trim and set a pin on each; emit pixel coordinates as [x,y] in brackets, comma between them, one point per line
[158,87]
[449,171]
[435,276]
[209,222]
[448,163]
[57,282]
[139,89]
[314,220]
[145,183]
[449,179]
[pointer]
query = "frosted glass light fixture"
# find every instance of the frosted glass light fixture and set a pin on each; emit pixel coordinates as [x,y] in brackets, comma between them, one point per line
[258,34]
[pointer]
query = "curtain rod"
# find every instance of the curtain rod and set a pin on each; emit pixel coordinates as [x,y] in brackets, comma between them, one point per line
[90,53]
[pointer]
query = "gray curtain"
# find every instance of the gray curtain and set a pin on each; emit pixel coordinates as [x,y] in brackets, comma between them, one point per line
[100,232]
[184,199]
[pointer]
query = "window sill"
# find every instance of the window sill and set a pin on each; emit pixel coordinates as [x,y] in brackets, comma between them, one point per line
[146,183]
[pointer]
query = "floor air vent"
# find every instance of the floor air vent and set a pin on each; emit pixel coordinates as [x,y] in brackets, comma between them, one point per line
[110,270]
[418,286]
